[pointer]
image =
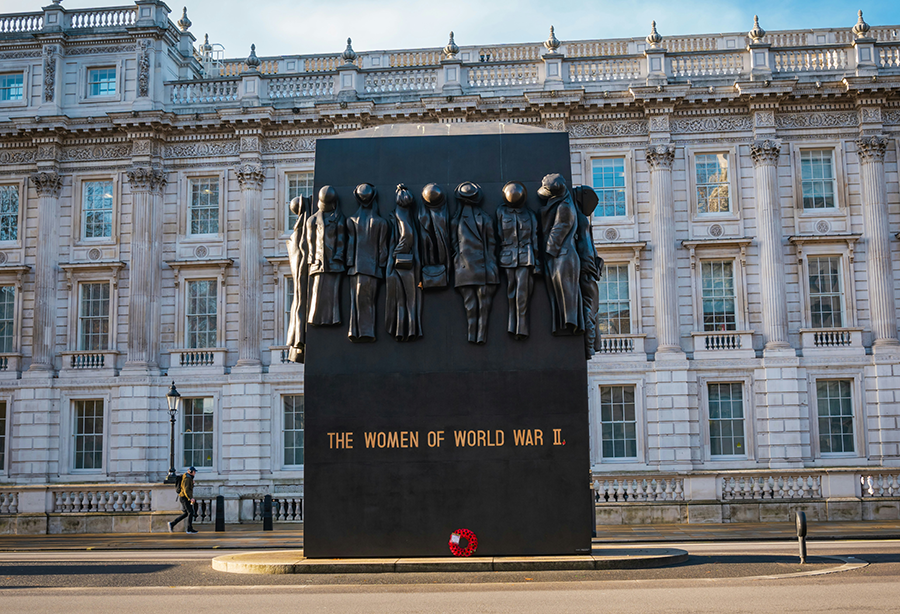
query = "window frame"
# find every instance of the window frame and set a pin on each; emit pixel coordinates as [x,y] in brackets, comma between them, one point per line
[284,228]
[20,189]
[716,250]
[67,426]
[184,214]
[5,432]
[218,303]
[625,187]
[15,320]
[631,311]
[183,432]
[734,194]
[617,254]
[858,401]
[25,71]
[587,169]
[736,291]
[78,202]
[191,391]
[100,272]
[746,382]
[841,208]
[596,427]
[13,276]
[192,270]
[281,448]
[84,87]
[836,246]
[80,317]
[277,430]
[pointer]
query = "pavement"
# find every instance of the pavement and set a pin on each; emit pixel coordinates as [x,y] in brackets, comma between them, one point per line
[290,537]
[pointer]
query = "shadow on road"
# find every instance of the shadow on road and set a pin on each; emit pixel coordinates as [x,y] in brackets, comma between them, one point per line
[80,570]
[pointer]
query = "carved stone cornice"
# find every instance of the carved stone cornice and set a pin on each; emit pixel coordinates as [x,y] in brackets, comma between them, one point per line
[871,148]
[47,183]
[250,176]
[765,152]
[146,179]
[661,156]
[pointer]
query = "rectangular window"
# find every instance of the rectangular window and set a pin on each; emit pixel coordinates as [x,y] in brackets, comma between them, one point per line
[89,434]
[835,410]
[12,86]
[618,425]
[817,178]
[204,210]
[2,435]
[718,295]
[726,420]
[102,81]
[615,302]
[293,429]
[93,317]
[298,184]
[288,301]
[202,307]
[825,297]
[198,432]
[712,183]
[96,209]
[609,183]
[9,212]
[7,318]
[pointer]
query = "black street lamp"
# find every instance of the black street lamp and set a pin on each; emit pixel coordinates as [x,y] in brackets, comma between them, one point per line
[174,401]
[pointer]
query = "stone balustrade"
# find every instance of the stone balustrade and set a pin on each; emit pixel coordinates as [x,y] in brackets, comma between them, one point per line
[775,486]
[879,484]
[639,489]
[102,498]
[285,508]
[114,17]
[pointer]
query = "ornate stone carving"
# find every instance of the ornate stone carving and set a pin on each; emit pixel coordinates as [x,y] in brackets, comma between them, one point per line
[724,123]
[660,123]
[146,179]
[716,230]
[870,115]
[19,55]
[94,254]
[822,227]
[49,72]
[144,69]
[892,116]
[48,152]
[250,143]
[817,120]
[611,234]
[288,145]
[47,183]
[250,176]
[108,152]
[552,43]
[757,33]
[871,148]
[100,49]
[202,149]
[556,124]
[17,157]
[201,251]
[609,128]
[765,152]
[143,147]
[661,155]
[765,119]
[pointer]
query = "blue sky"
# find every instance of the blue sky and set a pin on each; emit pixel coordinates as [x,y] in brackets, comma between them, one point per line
[281,27]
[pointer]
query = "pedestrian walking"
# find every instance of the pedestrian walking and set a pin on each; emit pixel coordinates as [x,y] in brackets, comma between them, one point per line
[186,497]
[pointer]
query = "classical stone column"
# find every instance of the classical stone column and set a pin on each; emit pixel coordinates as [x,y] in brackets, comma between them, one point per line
[251,178]
[147,184]
[769,237]
[878,241]
[662,213]
[48,185]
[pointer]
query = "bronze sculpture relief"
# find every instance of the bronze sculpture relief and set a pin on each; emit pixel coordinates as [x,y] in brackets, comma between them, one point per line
[474,259]
[559,221]
[326,237]
[300,206]
[591,266]
[403,272]
[519,249]
[434,237]
[367,253]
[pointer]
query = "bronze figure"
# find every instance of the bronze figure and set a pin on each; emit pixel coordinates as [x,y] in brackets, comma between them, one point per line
[591,266]
[434,237]
[519,248]
[367,254]
[326,237]
[475,259]
[559,222]
[300,206]
[403,315]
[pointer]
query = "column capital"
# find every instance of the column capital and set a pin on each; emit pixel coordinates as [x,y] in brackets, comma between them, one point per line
[250,176]
[871,148]
[765,151]
[661,155]
[146,179]
[47,183]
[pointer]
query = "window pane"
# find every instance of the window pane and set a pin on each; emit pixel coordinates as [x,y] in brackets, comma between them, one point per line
[825,296]
[198,432]
[618,426]
[608,176]
[7,317]
[835,416]
[615,301]
[202,305]
[726,419]
[298,184]
[93,317]
[88,434]
[204,207]
[293,429]
[11,86]
[717,289]
[817,178]
[2,435]
[712,183]
[9,212]
[101,81]
[96,209]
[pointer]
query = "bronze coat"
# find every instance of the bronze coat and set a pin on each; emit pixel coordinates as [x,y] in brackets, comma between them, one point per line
[474,248]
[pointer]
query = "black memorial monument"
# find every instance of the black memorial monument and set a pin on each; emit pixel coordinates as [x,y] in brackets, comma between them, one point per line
[443,410]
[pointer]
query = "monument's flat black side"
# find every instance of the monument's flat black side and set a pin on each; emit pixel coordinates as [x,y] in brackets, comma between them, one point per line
[408,441]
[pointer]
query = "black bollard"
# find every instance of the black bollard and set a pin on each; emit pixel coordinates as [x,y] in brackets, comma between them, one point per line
[220,514]
[593,511]
[801,535]
[267,513]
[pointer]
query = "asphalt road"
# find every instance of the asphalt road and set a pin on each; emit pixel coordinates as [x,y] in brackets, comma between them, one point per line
[720,577]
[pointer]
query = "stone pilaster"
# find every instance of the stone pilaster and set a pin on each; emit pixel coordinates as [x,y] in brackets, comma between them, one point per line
[251,178]
[662,211]
[48,185]
[147,184]
[770,240]
[882,310]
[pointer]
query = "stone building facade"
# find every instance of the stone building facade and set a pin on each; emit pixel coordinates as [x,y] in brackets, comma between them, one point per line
[750,207]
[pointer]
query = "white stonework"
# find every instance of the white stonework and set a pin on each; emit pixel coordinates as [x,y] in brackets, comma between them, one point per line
[806,263]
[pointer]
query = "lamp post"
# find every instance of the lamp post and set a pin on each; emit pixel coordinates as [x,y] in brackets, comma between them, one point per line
[174,401]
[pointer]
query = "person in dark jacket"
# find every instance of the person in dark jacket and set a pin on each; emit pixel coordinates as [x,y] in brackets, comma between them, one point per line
[559,221]
[475,259]
[434,237]
[186,498]
[367,254]
[326,239]
[403,296]
[591,266]
[519,250]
